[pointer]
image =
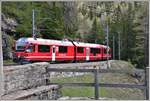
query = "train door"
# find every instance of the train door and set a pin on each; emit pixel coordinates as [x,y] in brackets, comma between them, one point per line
[87,54]
[53,53]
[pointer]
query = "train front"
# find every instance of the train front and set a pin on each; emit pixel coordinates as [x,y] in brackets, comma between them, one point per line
[19,53]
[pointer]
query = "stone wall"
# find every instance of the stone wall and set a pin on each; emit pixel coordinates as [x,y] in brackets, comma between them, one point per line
[28,78]
[50,92]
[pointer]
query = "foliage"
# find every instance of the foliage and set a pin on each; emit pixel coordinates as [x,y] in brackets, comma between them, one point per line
[87,21]
[22,12]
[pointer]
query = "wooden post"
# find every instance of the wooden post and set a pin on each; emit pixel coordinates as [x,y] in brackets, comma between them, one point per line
[96,84]
[1,64]
[147,83]
[119,46]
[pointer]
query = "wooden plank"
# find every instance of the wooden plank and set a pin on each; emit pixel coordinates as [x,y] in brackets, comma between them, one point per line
[73,84]
[1,64]
[88,70]
[69,70]
[114,71]
[70,65]
[140,86]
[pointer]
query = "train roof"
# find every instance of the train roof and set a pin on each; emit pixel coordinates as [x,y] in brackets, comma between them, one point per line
[23,41]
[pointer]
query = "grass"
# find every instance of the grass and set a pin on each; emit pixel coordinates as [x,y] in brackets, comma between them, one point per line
[115,93]
[8,61]
[79,91]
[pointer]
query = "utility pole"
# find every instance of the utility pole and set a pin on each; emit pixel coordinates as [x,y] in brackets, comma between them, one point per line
[108,64]
[33,24]
[147,69]
[113,47]
[119,45]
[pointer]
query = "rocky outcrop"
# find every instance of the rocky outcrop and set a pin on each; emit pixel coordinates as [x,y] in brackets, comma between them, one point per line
[8,24]
[8,28]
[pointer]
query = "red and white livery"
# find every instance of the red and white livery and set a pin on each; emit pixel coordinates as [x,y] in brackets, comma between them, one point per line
[30,50]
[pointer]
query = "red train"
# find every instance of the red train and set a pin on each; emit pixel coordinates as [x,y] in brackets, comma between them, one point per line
[30,50]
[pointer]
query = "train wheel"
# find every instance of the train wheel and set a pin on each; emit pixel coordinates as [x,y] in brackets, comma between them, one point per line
[22,62]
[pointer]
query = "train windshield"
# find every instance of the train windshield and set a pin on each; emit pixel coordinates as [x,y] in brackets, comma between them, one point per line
[20,48]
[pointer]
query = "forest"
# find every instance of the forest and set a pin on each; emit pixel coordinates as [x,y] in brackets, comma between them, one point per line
[125,22]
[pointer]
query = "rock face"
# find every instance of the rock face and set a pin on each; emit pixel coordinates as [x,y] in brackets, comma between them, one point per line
[8,24]
[8,27]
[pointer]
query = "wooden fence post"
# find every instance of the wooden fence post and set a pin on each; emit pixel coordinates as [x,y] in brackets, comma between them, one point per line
[96,84]
[1,64]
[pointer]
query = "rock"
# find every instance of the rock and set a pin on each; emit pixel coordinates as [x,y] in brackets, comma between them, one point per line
[64,98]
[8,24]
[8,27]
[139,74]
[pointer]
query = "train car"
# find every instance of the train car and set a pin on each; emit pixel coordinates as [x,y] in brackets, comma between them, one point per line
[30,50]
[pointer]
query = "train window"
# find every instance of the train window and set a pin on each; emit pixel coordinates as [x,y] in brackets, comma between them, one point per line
[20,48]
[62,49]
[98,50]
[105,51]
[44,48]
[95,50]
[80,50]
[31,48]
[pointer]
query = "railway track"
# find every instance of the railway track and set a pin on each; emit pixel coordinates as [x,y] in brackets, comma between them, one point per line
[15,64]
[11,64]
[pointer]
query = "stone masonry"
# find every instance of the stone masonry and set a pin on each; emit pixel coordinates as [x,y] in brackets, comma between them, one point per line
[28,82]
